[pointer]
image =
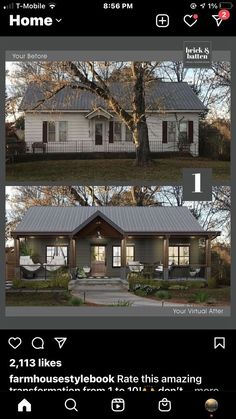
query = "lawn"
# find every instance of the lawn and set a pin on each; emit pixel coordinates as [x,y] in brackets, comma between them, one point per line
[85,171]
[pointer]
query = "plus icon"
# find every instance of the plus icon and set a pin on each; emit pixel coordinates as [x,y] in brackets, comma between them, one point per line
[162,21]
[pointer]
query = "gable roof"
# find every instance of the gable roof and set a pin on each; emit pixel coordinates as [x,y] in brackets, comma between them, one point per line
[159,96]
[130,220]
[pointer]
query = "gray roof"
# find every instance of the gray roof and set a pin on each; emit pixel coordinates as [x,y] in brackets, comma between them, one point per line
[66,220]
[159,96]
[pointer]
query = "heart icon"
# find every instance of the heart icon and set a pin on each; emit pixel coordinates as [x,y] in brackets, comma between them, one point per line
[14,342]
[190,20]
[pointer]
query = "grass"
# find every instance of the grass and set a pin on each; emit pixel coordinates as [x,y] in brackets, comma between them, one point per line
[160,170]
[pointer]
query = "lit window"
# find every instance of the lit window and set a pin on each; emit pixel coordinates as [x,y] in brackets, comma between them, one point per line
[179,255]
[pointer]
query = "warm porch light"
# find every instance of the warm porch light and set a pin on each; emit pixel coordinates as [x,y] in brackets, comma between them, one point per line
[99,235]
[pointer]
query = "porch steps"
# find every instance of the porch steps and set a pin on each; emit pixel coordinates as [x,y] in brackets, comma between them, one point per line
[109,284]
[8,285]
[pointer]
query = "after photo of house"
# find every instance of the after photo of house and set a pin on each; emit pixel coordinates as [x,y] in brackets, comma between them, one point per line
[116,246]
[76,120]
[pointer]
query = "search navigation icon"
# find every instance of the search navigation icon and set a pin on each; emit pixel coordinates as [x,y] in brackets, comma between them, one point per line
[70,404]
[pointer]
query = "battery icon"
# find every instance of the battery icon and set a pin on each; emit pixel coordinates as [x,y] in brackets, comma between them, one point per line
[226,5]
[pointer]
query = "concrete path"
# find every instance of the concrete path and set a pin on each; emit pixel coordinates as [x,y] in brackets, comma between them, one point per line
[120,298]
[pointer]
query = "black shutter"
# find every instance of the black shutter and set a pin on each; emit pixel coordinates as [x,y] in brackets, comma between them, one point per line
[45,131]
[111,137]
[164,131]
[190,131]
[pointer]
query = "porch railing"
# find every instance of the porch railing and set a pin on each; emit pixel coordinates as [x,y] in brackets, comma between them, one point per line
[87,146]
[176,272]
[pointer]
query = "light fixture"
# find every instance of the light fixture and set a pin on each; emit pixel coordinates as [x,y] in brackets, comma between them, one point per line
[99,235]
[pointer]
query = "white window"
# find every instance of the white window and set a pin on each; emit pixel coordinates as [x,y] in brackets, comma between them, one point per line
[116,255]
[62,131]
[129,254]
[117,131]
[57,131]
[51,131]
[128,134]
[171,131]
[183,131]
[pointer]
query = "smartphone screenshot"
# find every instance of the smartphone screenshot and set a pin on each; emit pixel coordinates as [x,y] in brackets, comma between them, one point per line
[117,292]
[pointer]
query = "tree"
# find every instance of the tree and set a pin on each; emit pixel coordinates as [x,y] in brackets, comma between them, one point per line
[214,215]
[212,85]
[98,77]
[91,77]
[21,198]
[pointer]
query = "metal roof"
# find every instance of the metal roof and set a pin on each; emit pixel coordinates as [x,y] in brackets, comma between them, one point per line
[159,96]
[130,220]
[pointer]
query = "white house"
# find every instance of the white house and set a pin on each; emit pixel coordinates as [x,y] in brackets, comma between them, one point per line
[75,120]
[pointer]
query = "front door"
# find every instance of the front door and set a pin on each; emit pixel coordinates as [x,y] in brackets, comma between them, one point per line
[99,133]
[98,260]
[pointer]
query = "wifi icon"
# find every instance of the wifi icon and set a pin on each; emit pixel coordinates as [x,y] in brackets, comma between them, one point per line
[52,5]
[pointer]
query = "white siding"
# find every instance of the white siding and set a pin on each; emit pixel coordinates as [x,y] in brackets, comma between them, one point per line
[81,132]
[78,127]
[155,129]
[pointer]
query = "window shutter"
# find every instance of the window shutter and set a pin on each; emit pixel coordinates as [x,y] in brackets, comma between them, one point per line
[190,131]
[111,136]
[45,131]
[164,131]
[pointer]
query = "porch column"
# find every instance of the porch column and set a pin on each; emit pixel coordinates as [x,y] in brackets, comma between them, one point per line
[166,258]
[123,259]
[17,256]
[72,256]
[208,258]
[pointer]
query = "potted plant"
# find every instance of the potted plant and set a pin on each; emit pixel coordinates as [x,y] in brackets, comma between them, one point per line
[80,273]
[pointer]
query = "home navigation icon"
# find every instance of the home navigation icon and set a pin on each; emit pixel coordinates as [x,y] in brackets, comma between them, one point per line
[24,406]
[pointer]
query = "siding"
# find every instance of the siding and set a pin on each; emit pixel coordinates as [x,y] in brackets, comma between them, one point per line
[78,125]
[81,132]
[155,129]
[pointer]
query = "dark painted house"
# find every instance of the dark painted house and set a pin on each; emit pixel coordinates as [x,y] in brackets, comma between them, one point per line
[108,240]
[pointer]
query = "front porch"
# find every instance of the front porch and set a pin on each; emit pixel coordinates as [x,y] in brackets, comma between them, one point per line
[99,250]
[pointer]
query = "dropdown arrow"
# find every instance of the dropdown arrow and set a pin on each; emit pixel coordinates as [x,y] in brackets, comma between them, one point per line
[59,20]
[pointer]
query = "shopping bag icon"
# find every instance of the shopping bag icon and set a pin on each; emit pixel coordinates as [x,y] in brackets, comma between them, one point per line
[164,405]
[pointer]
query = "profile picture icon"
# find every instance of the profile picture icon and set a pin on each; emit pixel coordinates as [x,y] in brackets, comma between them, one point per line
[211,405]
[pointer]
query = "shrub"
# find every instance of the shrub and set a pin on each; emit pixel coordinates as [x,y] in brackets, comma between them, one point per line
[140,282]
[199,297]
[75,301]
[163,295]
[212,283]
[60,282]
[178,287]
[141,293]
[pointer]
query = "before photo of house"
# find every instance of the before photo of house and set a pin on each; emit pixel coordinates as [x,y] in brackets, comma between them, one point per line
[110,117]
[76,121]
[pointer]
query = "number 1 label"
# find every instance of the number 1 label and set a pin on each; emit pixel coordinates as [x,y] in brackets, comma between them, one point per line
[197,183]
